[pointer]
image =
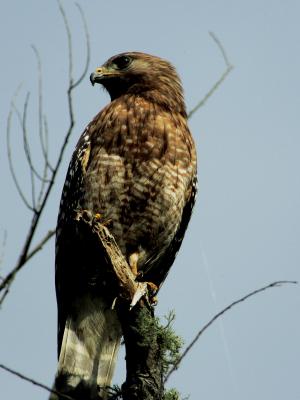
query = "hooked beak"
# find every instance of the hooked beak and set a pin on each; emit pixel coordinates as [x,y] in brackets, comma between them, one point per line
[93,78]
[98,76]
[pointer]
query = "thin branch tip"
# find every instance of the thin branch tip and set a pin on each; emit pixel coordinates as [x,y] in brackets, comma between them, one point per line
[219,314]
[281,283]
[221,48]
[44,193]
[36,383]
[229,68]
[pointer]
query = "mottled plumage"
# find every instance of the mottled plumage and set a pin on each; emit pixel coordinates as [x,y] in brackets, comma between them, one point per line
[135,165]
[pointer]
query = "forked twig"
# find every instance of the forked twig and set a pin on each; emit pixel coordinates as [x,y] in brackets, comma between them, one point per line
[22,118]
[229,68]
[9,154]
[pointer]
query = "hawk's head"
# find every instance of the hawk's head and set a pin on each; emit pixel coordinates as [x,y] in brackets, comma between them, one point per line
[141,74]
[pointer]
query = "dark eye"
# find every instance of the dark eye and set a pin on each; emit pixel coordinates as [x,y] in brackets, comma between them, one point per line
[122,62]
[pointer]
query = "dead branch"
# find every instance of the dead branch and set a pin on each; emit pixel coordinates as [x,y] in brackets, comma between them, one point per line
[229,68]
[41,244]
[219,314]
[91,228]
[144,362]
[37,212]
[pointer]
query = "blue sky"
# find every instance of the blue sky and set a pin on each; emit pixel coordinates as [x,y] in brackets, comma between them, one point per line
[245,229]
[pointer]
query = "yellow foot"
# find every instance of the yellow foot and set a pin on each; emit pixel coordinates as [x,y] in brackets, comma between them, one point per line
[99,218]
[152,290]
[152,287]
[153,301]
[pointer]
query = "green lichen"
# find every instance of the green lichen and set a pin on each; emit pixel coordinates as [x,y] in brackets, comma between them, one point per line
[171,394]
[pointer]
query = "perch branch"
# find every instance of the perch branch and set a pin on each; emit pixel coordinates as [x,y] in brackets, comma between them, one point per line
[116,262]
[144,361]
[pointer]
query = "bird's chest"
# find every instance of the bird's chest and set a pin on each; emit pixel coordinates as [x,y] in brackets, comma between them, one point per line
[135,172]
[134,162]
[142,201]
[134,167]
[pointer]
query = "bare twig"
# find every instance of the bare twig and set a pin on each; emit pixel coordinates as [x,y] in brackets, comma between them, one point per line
[43,142]
[40,100]
[71,84]
[23,258]
[9,155]
[228,69]
[5,293]
[219,314]
[41,244]
[88,49]
[43,184]
[34,382]
[27,150]
[22,120]
[69,38]
[42,127]
[219,44]
[33,171]
[47,165]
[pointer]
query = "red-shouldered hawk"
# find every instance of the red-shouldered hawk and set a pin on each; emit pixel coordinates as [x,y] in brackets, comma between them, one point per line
[135,165]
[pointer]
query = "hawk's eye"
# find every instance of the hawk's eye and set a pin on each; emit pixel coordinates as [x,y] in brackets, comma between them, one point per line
[122,62]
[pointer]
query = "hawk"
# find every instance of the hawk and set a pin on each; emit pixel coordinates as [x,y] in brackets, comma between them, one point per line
[135,166]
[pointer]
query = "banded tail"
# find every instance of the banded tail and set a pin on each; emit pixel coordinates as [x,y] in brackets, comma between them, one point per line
[89,350]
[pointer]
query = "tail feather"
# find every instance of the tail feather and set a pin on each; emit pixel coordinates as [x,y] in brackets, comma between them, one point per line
[89,349]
